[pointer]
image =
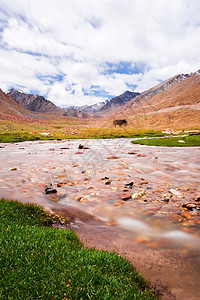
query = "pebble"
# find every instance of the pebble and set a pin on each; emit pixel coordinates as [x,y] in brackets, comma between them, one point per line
[108,182]
[191,206]
[141,155]
[13,169]
[112,157]
[82,147]
[132,152]
[175,193]
[138,194]
[129,185]
[81,199]
[50,190]
[125,196]
[181,141]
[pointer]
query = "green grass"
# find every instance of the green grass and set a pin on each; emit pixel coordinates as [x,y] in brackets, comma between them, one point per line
[41,262]
[193,140]
[20,135]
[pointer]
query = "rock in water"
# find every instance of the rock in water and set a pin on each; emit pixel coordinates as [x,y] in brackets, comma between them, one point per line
[50,190]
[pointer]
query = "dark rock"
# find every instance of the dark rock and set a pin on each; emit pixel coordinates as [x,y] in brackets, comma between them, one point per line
[108,182]
[129,185]
[190,206]
[104,178]
[133,152]
[82,147]
[50,190]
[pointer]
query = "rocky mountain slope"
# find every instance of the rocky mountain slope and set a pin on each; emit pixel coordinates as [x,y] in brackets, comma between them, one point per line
[35,103]
[77,114]
[91,109]
[174,102]
[11,110]
[102,107]
[165,85]
[118,101]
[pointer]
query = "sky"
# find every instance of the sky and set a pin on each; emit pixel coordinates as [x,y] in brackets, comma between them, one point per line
[77,52]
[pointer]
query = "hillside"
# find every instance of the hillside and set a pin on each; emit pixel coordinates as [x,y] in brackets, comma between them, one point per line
[35,103]
[175,102]
[11,109]
[118,101]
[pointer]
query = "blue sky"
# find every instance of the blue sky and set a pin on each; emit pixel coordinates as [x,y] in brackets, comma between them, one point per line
[77,52]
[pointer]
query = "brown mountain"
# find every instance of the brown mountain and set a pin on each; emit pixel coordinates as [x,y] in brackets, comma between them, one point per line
[35,103]
[175,101]
[11,110]
[118,101]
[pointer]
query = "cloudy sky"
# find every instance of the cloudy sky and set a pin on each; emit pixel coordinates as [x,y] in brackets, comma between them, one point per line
[77,52]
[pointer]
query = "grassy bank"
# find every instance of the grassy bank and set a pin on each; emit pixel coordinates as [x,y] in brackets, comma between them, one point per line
[41,262]
[188,141]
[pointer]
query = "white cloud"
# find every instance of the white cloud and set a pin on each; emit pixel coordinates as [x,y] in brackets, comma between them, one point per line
[75,39]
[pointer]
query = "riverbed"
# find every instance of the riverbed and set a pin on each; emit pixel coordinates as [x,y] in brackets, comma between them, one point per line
[127,197]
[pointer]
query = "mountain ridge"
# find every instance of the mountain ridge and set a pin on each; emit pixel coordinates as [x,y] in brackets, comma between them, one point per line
[35,103]
[148,94]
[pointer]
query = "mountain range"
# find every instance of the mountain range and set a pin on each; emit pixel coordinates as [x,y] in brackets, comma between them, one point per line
[107,105]
[176,99]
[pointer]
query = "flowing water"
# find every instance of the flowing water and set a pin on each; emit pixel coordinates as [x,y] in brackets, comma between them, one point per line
[148,198]
[139,188]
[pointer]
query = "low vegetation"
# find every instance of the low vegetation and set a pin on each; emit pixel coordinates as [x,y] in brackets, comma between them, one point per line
[184,141]
[15,132]
[41,262]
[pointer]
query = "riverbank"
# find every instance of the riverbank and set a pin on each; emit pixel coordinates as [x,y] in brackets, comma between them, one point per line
[38,261]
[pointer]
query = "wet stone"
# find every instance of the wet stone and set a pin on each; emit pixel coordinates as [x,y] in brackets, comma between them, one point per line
[104,178]
[133,152]
[191,206]
[13,169]
[125,196]
[108,182]
[138,194]
[129,185]
[175,193]
[82,147]
[50,190]
[141,155]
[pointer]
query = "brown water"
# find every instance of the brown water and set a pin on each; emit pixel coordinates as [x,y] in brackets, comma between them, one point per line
[163,180]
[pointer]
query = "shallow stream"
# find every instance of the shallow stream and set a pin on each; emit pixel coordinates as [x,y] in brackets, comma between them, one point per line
[139,188]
